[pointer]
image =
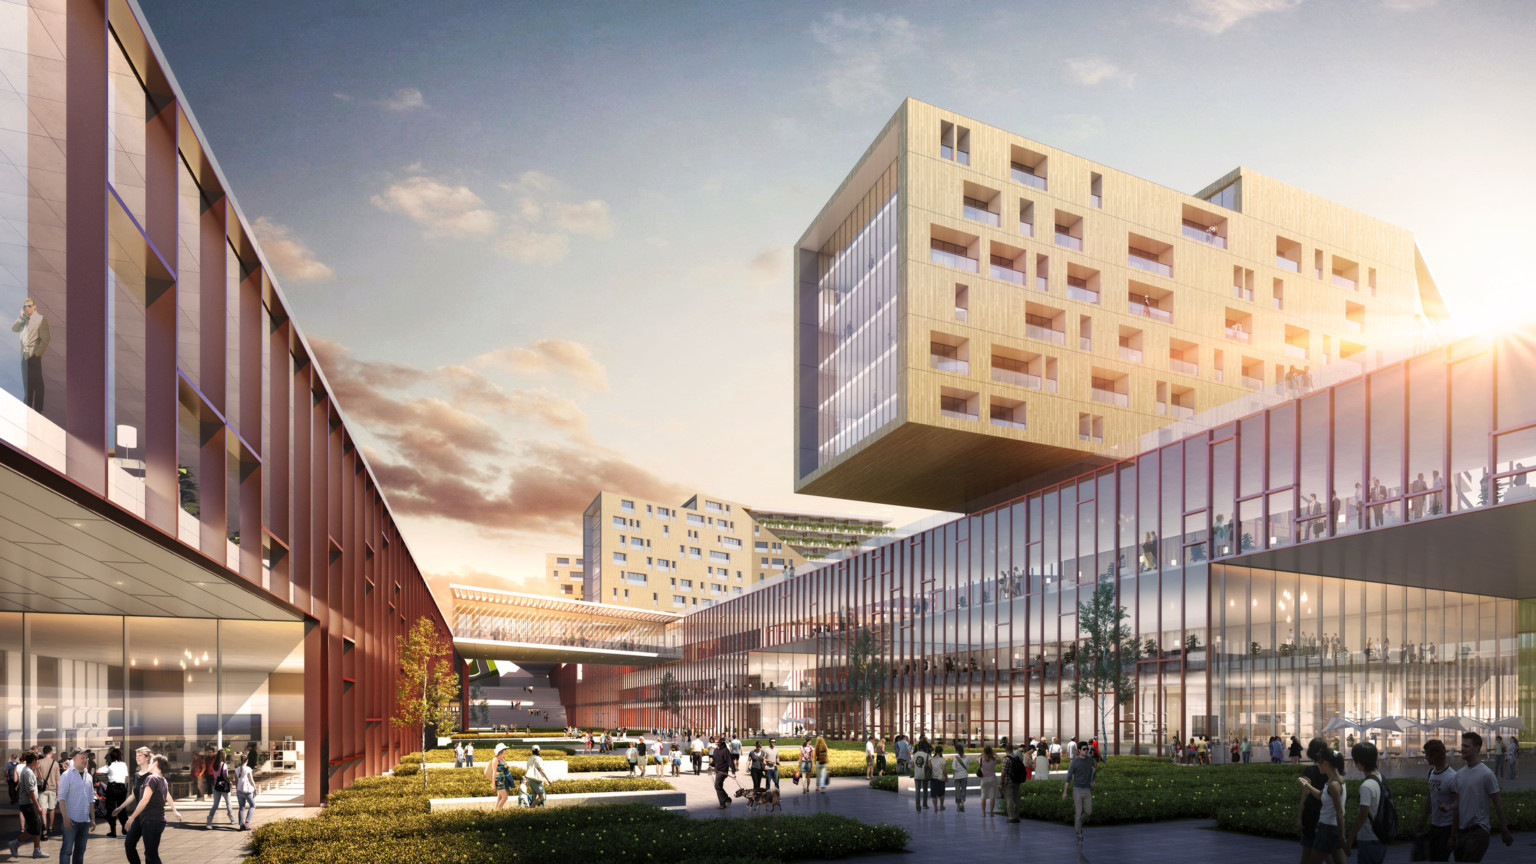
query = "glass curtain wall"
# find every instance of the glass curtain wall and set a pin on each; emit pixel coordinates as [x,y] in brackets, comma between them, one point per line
[175,685]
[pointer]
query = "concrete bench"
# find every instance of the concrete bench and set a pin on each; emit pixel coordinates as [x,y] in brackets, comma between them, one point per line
[657,797]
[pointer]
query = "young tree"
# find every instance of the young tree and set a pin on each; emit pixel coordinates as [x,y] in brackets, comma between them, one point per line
[428,684]
[866,674]
[670,692]
[1105,652]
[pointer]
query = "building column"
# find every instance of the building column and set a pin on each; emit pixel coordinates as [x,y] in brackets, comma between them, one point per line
[1525,662]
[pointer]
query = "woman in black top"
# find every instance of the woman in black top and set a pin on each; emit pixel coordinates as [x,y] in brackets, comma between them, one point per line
[1295,750]
[151,811]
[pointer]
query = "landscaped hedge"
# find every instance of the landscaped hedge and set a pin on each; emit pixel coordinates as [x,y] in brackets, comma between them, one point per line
[579,764]
[624,833]
[484,753]
[885,783]
[404,793]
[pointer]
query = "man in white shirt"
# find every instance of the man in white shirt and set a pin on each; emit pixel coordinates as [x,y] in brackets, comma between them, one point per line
[696,751]
[869,758]
[1474,790]
[34,334]
[1363,837]
[458,754]
[1438,819]
[771,765]
[77,807]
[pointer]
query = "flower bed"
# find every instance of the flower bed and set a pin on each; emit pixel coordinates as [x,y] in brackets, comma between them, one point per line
[625,833]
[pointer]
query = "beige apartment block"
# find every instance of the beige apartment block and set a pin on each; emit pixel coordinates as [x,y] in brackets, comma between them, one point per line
[562,576]
[677,557]
[813,536]
[975,308]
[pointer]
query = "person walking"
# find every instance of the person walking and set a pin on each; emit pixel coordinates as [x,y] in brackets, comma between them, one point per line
[14,791]
[962,776]
[150,812]
[1309,806]
[458,754]
[677,759]
[500,774]
[1055,750]
[771,765]
[469,754]
[735,753]
[245,791]
[903,755]
[938,777]
[117,788]
[1276,750]
[823,758]
[535,765]
[633,757]
[869,757]
[880,755]
[986,769]
[1082,776]
[1437,823]
[1042,761]
[1295,750]
[755,765]
[1512,755]
[219,786]
[720,763]
[31,807]
[1362,838]
[1473,791]
[920,775]
[1247,751]
[1326,842]
[1013,778]
[48,788]
[1498,756]
[696,752]
[200,770]
[77,808]
[807,757]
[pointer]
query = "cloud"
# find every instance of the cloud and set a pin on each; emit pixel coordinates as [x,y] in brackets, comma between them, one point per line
[1407,5]
[1073,129]
[342,96]
[453,211]
[1216,16]
[588,217]
[770,265]
[288,255]
[446,439]
[534,247]
[864,49]
[549,356]
[1090,71]
[404,99]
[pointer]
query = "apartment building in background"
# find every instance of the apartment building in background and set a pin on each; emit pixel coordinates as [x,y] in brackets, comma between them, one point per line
[815,537]
[975,308]
[563,576]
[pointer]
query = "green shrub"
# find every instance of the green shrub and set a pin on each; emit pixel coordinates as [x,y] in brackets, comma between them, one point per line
[579,764]
[886,783]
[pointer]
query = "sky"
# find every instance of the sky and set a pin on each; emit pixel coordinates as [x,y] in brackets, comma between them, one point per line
[543,249]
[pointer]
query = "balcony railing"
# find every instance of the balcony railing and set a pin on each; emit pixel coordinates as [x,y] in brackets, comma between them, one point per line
[1002,421]
[946,151]
[1085,343]
[963,157]
[1238,334]
[962,313]
[1028,178]
[1095,439]
[1035,331]
[1352,326]
[1285,263]
[949,364]
[1087,295]
[1017,379]
[1295,351]
[1110,397]
[979,215]
[1151,265]
[950,259]
[1067,240]
[1182,412]
[1096,200]
[1152,312]
[1183,366]
[1050,385]
[958,415]
[1345,282]
[1194,232]
[1253,383]
[1130,354]
[1043,283]
[1008,273]
[1242,293]
[1027,228]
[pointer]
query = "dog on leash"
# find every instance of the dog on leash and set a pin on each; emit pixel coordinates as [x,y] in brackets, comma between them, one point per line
[767,799]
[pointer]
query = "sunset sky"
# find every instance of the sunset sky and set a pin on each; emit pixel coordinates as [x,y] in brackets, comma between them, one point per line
[543,248]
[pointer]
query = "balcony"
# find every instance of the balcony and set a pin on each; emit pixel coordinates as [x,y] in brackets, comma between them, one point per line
[1045,334]
[1181,412]
[963,157]
[1295,351]
[1151,265]
[1352,326]
[946,151]
[1285,263]
[1242,293]
[1043,283]
[949,364]
[1005,421]
[1096,200]
[1087,295]
[1152,312]
[977,214]
[1197,232]
[1132,355]
[1238,334]
[950,259]
[1093,439]
[957,413]
[1027,229]
[1345,282]
[1067,240]
[1008,274]
[1183,366]
[1253,383]
[1017,379]
[1027,177]
[962,313]
[1110,397]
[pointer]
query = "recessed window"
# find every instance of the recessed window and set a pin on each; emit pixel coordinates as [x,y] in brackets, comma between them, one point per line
[1205,226]
[1028,167]
[1150,255]
[1007,412]
[1287,254]
[1096,189]
[959,404]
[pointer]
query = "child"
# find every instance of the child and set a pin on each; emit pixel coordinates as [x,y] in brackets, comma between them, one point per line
[677,760]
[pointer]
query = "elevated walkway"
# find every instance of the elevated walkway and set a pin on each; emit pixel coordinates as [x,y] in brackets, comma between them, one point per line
[490,624]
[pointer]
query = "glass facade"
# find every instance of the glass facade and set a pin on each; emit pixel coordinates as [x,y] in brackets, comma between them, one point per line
[976,619]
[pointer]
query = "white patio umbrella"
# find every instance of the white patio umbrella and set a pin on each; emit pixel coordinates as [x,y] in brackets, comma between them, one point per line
[1459,723]
[1394,723]
[1514,723]
[1340,723]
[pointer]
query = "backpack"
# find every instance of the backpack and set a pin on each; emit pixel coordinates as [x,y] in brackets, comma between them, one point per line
[221,781]
[1016,772]
[1385,823]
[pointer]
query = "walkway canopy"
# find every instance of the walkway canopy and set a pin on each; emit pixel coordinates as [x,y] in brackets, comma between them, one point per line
[490,624]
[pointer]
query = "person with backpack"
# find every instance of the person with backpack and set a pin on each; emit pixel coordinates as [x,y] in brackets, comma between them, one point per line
[807,755]
[218,778]
[1376,821]
[920,763]
[1014,777]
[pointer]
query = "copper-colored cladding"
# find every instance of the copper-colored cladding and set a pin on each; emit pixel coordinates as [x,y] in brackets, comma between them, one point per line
[337,557]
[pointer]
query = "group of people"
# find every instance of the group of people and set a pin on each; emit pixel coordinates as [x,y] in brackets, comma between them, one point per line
[724,754]
[531,791]
[1455,818]
[65,798]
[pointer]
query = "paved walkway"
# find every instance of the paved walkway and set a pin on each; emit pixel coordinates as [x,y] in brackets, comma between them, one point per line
[970,835]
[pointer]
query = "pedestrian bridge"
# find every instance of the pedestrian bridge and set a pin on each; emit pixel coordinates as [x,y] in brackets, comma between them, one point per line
[490,624]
